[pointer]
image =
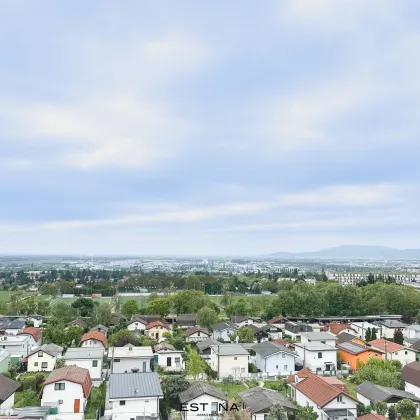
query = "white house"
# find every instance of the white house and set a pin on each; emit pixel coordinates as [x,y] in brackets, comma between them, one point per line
[274,359]
[317,357]
[93,339]
[34,334]
[196,334]
[134,395]
[17,346]
[274,332]
[36,319]
[229,360]
[169,358]
[90,359]
[200,401]
[260,400]
[388,327]
[67,389]
[327,400]
[12,326]
[295,329]
[4,360]
[8,387]
[319,337]
[130,359]
[411,376]
[362,327]
[368,393]
[137,324]
[241,321]
[156,330]
[413,331]
[222,330]
[394,351]
[44,358]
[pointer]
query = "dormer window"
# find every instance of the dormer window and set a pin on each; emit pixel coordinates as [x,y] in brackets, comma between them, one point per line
[40,354]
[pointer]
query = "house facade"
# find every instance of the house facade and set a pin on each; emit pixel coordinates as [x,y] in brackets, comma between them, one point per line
[196,334]
[17,346]
[387,328]
[130,359]
[44,358]
[295,329]
[90,359]
[222,330]
[319,338]
[241,321]
[169,358]
[353,354]
[156,329]
[34,335]
[137,324]
[93,339]
[273,358]
[411,377]
[4,360]
[229,360]
[317,357]
[394,351]
[8,387]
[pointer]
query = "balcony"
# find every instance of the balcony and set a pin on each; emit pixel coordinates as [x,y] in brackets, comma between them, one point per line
[337,414]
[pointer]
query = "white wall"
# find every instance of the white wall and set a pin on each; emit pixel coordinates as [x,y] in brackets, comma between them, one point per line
[126,364]
[134,407]
[16,346]
[162,360]
[330,342]
[389,332]
[223,334]
[413,389]
[202,413]
[156,333]
[92,343]
[280,363]
[9,403]
[71,392]
[363,400]
[311,361]
[32,343]
[402,357]
[95,372]
[275,335]
[228,366]
[244,323]
[46,358]
[136,326]
[196,337]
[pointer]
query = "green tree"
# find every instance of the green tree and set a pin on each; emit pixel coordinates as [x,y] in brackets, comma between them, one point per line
[62,313]
[398,337]
[368,336]
[306,413]
[122,337]
[373,337]
[363,409]
[246,335]
[160,306]
[381,407]
[172,385]
[406,408]
[129,308]
[391,412]
[195,364]
[206,317]
[49,289]
[277,412]
[28,398]
[83,306]
[380,372]
[102,314]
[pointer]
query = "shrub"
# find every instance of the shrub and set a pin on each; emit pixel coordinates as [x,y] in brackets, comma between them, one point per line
[252,368]
[30,383]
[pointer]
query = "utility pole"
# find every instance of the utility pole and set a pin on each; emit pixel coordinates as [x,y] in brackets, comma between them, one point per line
[386,350]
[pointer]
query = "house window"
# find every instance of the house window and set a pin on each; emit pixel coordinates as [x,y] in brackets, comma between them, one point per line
[44,365]
[283,355]
[117,360]
[177,360]
[59,386]
[36,364]
[198,334]
[40,353]
[285,368]
[242,370]
[406,352]
[168,361]
[122,402]
[214,408]
[235,358]
[319,355]
[94,363]
[277,366]
[340,398]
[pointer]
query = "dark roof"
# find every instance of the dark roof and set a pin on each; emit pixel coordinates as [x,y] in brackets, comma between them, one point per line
[198,389]
[134,385]
[382,393]
[51,349]
[411,373]
[345,337]
[416,346]
[256,331]
[239,318]
[187,319]
[193,330]
[270,327]
[205,344]
[79,322]
[354,348]
[392,323]
[7,387]
[262,399]
[12,323]
[138,319]
[220,326]
[100,327]
[267,348]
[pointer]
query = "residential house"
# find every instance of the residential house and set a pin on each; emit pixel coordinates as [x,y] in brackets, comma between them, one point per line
[349,338]
[79,323]
[8,387]
[34,334]
[44,358]
[196,334]
[411,377]
[273,331]
[278,321]
[413,331]
[328,400]
[394,351]
[259,334]
[185,321]
[67,390]
[17,346]
[204,348]
[87,358]
[241,321]
[156,329]
[372,416]
[36,320]
[368,393]
[352,353]
[169,357]
[222,330]
[4,360]
[388,327]
[337,328]
[416,347]
[229,360]
[93,339]
[318,337]
[12,326]
[137,324]
[362,327]
[202,400]
[295,329]
[101,328]
[130,359]
[274,359]
[260,400]
[134,395]
[117,320]
[318,357]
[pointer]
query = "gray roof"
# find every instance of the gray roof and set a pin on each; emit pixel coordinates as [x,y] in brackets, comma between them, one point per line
[415,327]
[382,393]
[84,353]
[318,336]
[354,348]
[205,344]
[100,327]
[239,318]
[51,349]
[12,323]
[416,345]
[270,328]
[262,399]
[164,346]
[267,348]
[198,389]
[315,346]
[392,323]
[134,385]
[32,412]
[7,387]
[220,326]
[229,350]
[344,337]
[411,340]
[193,330]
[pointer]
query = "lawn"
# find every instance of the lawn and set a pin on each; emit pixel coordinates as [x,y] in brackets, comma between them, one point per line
[276,385]
[96,401]
[351,387]
[231,389]
[33,401]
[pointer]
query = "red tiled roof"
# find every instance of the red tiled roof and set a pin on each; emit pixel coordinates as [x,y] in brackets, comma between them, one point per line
[94,335]
[372,416]
[156,324]
[318,390]
[380,344]
[36,333]
[74,374]
[276,319]
[304,373]
[337,328]
[332,380]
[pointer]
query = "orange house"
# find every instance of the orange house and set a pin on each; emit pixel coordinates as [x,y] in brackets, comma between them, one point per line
[352,353]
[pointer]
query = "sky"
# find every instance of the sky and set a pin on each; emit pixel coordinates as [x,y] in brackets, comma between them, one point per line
[213,128]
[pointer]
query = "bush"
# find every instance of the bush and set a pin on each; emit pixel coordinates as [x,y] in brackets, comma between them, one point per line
[40,379]
[6,374]
[252,368]
[229,380]
[30,383]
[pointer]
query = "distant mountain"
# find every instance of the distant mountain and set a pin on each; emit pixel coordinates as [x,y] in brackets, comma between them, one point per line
[355,252]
